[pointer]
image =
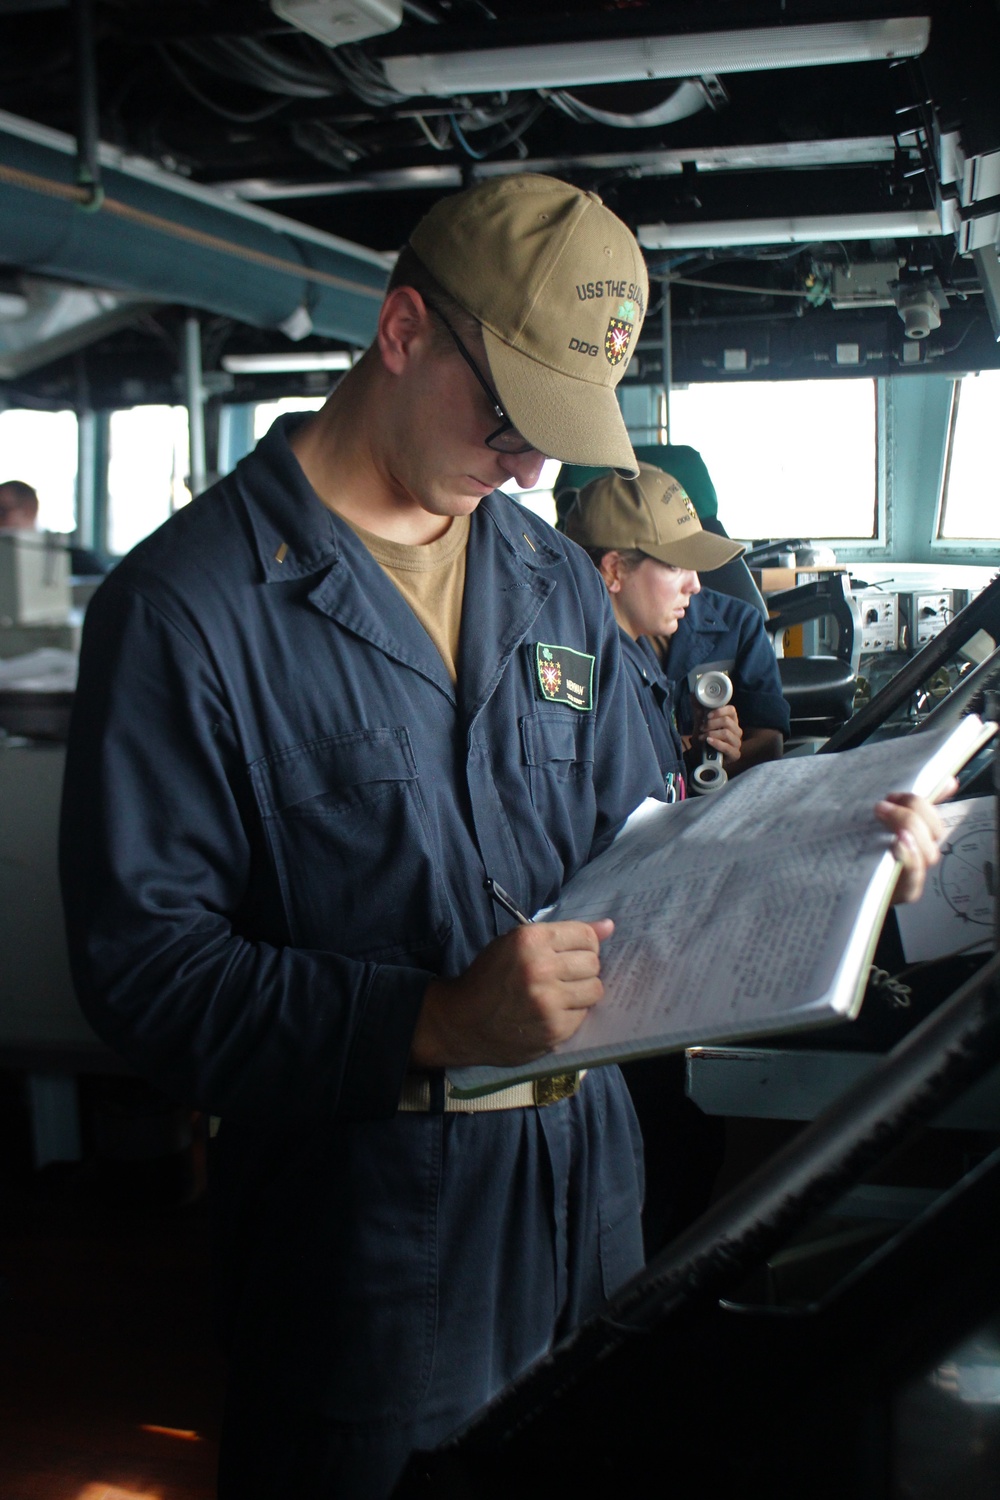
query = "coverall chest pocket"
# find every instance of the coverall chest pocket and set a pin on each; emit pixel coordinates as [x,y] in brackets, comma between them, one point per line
[558,747]
[352,844]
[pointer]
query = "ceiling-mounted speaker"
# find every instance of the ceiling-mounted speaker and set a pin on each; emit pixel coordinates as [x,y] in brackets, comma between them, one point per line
[337,22]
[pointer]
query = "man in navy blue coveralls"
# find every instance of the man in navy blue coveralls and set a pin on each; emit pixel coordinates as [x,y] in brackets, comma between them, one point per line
[280,809]
[287,779]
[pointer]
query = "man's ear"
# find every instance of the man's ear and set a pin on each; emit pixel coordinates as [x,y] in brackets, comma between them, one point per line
[403,321]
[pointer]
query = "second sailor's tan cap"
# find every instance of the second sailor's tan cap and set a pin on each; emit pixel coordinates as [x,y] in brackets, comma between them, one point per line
[653,514]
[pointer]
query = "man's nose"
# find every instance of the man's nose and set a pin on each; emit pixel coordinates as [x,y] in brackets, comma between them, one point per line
[524,467]
[694,584]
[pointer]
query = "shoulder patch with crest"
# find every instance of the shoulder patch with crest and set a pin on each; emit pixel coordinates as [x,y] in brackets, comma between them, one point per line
[565,675]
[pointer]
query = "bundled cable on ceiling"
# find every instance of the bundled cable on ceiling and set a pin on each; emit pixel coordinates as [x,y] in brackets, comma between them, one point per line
[479,120]
[688,98]
[224,111]
[365,77]
[264,66]
[303,68]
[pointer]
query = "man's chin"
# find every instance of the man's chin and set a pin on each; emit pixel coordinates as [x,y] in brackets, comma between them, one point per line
[451,503]
[465,497]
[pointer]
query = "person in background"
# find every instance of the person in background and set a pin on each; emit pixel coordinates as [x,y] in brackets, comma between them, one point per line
[723,625]
[722,633]
[18,506]
[19,512]
[647,543]
[690,470]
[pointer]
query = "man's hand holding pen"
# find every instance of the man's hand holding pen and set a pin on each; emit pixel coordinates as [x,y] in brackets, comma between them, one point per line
[531,988]
[525,992]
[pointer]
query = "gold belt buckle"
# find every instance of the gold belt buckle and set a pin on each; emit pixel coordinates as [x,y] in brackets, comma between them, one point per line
[559,1086]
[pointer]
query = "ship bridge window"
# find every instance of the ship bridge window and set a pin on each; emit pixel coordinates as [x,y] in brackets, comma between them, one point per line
[539,498]
[970,493]
[40,448]
[266,412]
[796,458]
[148,468]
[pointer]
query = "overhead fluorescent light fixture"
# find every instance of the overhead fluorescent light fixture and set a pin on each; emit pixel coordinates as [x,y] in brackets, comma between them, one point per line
[287,364]
[792,231]
[851,151]
[627,59]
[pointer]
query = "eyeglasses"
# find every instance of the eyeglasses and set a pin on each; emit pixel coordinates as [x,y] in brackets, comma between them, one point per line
[506,439]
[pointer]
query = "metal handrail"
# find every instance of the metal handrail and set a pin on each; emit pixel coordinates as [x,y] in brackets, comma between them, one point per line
[951,709]
[927,1070]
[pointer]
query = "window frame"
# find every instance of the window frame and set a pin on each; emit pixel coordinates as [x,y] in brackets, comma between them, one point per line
[856,548]
[955,546]
[176,477]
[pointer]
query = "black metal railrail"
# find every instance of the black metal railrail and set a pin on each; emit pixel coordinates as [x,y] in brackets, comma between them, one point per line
[961,697]
[910,1086]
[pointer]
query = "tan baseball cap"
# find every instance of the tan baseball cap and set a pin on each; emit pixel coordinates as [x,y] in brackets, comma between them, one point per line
[559,285]
[652,514]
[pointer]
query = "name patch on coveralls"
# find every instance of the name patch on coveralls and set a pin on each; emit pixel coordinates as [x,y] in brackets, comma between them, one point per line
[565,675]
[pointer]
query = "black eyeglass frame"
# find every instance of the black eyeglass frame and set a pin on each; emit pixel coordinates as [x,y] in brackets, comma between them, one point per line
[506,425]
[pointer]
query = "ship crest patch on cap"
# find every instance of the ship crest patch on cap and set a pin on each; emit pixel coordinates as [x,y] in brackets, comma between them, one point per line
[674,495]
[616,340]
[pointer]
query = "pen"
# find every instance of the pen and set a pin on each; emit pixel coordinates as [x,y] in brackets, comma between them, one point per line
[501,898]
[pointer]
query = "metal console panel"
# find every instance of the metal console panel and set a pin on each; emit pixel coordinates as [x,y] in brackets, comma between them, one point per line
[34,579]
[774,1084]
[41,1024]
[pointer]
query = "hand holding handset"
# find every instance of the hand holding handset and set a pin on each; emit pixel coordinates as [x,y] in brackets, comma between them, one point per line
[712,690]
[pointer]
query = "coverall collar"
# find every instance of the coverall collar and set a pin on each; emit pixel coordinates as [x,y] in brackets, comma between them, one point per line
[298,537]
[293,530]
[289,515]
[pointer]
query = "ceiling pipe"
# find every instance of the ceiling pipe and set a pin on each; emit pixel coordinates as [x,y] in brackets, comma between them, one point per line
[88,168]
[194,400]
[177,242]
[863,151]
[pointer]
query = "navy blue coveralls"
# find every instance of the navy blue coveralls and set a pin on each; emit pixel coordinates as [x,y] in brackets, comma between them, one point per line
[682,1147]
[278,816]
[729,634]
[655,694]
